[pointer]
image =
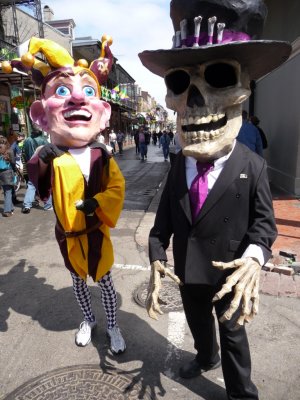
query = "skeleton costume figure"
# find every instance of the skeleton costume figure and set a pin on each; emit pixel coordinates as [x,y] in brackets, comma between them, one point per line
[216,202]
[86,183]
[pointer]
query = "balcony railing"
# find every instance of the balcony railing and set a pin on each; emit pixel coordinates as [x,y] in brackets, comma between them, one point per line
[8,50]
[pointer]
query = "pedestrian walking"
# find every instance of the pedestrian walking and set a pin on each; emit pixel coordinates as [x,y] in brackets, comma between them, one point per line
[171,136]
[30,145]
[16,148]
[136,141]
[164,142]
[113,141]
[120,141]
[255,121]
[154,138]
[144,139]
[174,149]
[7,167]
[249,135]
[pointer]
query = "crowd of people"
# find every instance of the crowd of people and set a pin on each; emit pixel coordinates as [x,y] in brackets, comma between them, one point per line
[143,137]
[16,150]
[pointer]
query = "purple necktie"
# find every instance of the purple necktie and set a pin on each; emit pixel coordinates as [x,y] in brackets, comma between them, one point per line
[199,188]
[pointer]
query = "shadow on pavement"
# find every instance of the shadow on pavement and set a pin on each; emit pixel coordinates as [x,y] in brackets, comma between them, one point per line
[150,349]
[27,294]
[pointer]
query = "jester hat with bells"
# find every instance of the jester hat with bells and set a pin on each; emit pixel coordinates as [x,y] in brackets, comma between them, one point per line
[59,60]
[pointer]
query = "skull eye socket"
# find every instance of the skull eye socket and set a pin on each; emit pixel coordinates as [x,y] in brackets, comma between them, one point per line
[177,81]
[221,75]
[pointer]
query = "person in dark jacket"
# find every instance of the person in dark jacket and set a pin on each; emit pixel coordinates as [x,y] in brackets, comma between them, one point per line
[216,204]
[255,121]
[7,167]
[249,135]
[30,145]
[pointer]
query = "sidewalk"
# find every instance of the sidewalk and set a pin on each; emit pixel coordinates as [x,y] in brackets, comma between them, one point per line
[287,214]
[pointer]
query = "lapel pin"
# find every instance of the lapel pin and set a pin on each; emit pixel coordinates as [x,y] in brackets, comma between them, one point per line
[243,176]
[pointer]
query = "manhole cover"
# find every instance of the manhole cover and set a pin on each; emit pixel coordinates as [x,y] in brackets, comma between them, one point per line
[81,382]
[169,294]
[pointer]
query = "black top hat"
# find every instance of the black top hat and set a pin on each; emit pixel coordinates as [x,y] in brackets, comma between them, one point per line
[216,29]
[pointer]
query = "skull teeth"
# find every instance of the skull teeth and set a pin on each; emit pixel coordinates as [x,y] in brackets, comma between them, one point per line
[202,136]
[202,129]
[201,120]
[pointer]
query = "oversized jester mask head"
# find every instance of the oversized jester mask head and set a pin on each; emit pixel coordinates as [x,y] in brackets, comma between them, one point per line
[70,108]
[215,55]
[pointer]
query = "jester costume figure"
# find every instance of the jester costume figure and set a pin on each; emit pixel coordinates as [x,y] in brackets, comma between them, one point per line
[86,183]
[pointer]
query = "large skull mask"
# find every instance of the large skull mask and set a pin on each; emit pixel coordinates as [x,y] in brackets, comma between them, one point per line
[208,100]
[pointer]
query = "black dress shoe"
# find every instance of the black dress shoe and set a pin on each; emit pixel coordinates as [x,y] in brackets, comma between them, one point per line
[193,369]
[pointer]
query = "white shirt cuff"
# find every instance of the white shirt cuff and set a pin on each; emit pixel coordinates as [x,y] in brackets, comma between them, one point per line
[256,252]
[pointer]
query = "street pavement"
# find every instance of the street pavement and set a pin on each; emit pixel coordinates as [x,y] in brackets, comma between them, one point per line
[39,315]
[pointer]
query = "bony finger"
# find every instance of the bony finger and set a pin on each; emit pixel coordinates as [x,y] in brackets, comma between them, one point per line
[149,308]
[229,313]
[224,317]
[228,265]
[255,304]
[218,264]
[153,308]
[152,314]
[233,307]
[225,289]
[247,306]
[249,318]
[174,277]
[241,320]
[156,307]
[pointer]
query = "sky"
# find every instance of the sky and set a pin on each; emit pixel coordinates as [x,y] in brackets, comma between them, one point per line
[135,25]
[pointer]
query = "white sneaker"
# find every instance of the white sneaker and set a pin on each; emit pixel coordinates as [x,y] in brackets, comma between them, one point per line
[84,333]
[117,343]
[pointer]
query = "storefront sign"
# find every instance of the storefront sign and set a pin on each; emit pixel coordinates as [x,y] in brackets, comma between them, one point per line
[20,102]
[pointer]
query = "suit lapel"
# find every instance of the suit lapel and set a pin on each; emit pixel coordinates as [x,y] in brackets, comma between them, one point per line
[231,170]
[181,189]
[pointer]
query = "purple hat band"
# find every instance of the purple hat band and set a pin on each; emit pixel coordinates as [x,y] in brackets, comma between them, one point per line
[205,39]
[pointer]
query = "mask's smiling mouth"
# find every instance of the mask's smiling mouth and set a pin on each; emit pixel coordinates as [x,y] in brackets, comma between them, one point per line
[77,115]
[199,129]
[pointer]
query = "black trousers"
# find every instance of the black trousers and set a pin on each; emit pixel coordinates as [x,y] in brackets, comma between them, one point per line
[235,353]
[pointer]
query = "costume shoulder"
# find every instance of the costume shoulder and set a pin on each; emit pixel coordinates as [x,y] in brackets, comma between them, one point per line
[98,145]
[242,151]
[102,146]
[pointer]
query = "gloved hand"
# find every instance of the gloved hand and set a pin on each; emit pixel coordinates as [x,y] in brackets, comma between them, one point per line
[245,280]
[87,206]
[48,152]
[158,271]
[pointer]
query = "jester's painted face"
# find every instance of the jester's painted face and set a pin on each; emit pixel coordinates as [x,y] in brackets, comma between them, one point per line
[71,110]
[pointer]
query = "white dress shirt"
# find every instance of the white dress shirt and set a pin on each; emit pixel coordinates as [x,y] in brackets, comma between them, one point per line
[191,172]
[83,159]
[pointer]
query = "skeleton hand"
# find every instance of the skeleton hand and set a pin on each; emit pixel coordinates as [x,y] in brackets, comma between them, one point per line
[246,281]
[158,271]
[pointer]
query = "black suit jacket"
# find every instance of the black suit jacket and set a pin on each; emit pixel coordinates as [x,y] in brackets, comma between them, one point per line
[237,212]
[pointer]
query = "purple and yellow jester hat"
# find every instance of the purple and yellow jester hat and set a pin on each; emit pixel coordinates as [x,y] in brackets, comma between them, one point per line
[58,59]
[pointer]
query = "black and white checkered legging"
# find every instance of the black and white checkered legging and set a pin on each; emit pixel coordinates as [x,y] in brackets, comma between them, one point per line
[108,298]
